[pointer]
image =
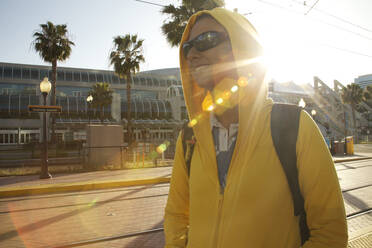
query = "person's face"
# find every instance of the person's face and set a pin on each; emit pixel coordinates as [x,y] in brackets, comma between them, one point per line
[209,67]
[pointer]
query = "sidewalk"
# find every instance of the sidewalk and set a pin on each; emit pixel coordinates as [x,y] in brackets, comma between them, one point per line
[12,186]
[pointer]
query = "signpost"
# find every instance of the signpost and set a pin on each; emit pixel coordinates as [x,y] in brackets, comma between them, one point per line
[42,108]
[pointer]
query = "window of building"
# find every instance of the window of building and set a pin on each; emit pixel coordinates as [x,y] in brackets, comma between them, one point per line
[135,80]
[68,76]
[77,76]
[43,74]
[60,75]
[35,74]
[143,81]
[92,77]
[16,72]
[50,75]
[84,77]
[26,73]
[8,72]
[76,93]
[107,78]
[162,83]
[99,77]
[115,79]
[149,82]
[6,91]
[123,81]
[1,71]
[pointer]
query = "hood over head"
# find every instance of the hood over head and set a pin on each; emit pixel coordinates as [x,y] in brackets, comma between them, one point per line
[251,90]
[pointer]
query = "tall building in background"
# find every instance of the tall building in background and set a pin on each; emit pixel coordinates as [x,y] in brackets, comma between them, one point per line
[364,81]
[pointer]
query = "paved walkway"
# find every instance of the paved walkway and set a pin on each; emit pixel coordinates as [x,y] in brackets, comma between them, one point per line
[32,185]
[11,186]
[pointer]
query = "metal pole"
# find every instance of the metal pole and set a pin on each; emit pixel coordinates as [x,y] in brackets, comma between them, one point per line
[44,168]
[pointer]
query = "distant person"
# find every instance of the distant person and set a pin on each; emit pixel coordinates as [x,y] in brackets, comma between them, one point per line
[235,193]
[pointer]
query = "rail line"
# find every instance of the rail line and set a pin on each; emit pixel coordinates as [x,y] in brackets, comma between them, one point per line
[156,230]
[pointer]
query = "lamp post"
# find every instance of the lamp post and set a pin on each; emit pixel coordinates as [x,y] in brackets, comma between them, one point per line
[313,113]
[302,103]
[45,87]
[89,101]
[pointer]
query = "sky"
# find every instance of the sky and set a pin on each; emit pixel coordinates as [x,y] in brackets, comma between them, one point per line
[332,41]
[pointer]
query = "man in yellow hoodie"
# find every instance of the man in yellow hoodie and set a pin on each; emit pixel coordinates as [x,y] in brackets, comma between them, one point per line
[237,194]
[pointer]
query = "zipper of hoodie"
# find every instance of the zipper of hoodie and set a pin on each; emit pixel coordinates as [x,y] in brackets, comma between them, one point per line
[217,229]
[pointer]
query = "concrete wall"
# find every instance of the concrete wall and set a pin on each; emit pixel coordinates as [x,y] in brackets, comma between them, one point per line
[101,136]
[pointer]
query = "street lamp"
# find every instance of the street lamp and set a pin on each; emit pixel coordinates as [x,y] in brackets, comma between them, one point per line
[89,101]
[302,103]
[313,113]
[45,87]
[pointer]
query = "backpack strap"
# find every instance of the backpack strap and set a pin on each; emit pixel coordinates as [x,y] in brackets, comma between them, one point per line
[284,131]
[188,143]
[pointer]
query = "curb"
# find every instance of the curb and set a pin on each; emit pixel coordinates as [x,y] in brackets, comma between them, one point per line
[350,159]
[68,187]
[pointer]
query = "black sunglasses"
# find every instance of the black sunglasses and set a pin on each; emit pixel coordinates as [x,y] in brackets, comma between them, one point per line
[204,41]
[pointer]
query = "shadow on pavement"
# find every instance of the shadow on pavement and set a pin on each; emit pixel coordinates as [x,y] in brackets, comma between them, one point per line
[45,222]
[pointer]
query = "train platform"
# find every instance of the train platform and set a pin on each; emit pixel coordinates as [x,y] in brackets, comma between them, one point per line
[70,182]
[12,186]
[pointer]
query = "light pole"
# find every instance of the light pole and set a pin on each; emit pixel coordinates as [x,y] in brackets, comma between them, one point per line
[313,113]
[302,103]
[45,87]
[89,101]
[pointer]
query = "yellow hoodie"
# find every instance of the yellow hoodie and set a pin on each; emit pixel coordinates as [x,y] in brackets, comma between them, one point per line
[256,208]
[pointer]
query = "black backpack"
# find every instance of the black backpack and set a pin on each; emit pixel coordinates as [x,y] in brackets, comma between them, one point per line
[284,131]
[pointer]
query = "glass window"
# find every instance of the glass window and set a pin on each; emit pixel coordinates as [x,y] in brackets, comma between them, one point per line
[84,76]
[1,71]
[122,81]
[26,73]
[115,79]
[16,72]
[7,72]
[135,80]
[43,74]
[162,83]
[92,77]
[68,75]
[107,78]
[149,82]
[60,75]
[50,75]
[35,74]
[143,81]
[77,76]
[99,77]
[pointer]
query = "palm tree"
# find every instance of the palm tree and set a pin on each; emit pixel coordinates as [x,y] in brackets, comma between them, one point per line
[352,95]
[102,97]
[126,57]
[368,93]
[173,28]
[52,44]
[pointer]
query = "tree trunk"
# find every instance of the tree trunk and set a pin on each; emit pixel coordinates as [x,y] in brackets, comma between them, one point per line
[54,76]
[129,110]
[354,122]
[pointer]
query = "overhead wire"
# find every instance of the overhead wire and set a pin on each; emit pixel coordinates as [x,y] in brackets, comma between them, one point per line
[337,18]
[279,6]
[312,7]
[147,2]
[329,24]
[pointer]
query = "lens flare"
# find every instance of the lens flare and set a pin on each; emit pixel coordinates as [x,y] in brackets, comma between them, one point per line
[219,101]
[211,107]
[234,88]
[242,82]
[193,122]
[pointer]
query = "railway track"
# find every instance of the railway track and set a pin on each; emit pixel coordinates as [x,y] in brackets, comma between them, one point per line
[160,230]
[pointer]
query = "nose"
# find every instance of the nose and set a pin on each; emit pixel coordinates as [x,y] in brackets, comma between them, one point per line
[192,54]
